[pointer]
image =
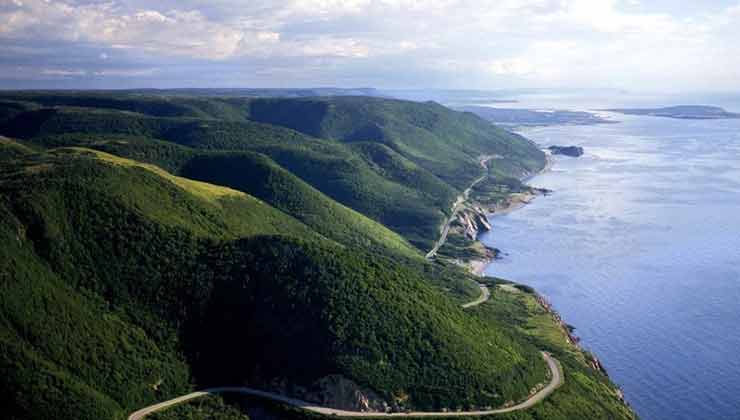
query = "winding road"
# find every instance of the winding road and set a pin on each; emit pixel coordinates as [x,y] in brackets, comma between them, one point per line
[456,206]
[555,381]
[485,294]
[556,375]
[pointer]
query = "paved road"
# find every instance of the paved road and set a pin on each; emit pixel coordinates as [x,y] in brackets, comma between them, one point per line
[456,206]
[485,294]
[555,381]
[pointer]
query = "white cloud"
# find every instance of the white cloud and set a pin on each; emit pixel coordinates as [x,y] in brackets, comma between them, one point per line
[63,72]
[517,66]
[152,16]
[330,47]
[455,42]
[173,32]
[125,72]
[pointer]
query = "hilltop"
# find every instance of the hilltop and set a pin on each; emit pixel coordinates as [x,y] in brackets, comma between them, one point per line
[399,163]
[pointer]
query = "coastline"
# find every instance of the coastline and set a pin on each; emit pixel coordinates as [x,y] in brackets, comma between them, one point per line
[477,266]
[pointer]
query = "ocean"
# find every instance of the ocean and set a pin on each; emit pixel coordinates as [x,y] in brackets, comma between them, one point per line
[638,247]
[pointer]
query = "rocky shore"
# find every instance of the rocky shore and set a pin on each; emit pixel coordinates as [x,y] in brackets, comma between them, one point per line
[477,266]
[480,223]
[573,339]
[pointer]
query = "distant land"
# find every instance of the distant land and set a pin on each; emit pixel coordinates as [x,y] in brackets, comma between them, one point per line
[451,97]
[686,112]
[212,92]
[529,117]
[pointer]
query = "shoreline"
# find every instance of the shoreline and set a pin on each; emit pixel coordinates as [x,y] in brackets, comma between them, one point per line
[477,266]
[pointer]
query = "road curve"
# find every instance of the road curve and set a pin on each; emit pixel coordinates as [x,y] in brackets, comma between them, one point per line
[485,294]
[555,381]
[456,207]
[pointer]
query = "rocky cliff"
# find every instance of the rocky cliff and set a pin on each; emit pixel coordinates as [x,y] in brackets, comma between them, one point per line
[471,221]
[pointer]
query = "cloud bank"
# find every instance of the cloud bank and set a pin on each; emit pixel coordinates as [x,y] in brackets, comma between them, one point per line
[663,45]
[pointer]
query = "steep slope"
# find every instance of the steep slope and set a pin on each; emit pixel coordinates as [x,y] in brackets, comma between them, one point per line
[254,174]
[331,167]
[125,284]
[262,177]
[65,352]
[83,220]
[441,140]
[399,163]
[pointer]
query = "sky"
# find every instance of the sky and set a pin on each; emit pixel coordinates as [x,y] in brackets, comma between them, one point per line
[651,45]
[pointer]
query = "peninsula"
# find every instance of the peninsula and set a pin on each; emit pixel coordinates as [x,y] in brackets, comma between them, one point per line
[686,112]
[531,117]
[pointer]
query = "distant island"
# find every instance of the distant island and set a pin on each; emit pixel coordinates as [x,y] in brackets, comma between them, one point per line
[529,117]
[686,112]
[572,151]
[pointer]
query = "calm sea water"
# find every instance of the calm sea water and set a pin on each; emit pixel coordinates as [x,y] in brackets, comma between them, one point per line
[639,248]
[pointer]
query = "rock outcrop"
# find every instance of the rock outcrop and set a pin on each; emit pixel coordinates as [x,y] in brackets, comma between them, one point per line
[572,151]
[472,220]
[342,393]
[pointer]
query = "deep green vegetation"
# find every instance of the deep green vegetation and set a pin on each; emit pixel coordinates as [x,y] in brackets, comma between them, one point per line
[265,179]
[399,163]
[93,227]
[155,246]
[586,394]
[436,138]
[206,408]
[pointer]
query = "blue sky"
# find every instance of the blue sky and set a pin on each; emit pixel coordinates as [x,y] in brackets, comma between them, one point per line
[657,45]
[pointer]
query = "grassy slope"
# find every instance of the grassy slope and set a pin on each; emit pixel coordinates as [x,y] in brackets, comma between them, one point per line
[329,166]
[586,394]
[261,176]
[257,175]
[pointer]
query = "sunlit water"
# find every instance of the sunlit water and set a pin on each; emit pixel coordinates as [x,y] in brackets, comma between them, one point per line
[639,248]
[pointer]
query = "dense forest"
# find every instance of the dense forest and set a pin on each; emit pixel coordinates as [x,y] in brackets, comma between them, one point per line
[158,244]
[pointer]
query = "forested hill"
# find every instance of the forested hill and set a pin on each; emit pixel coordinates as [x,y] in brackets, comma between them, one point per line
[433,136]
[399,163]
[151,247]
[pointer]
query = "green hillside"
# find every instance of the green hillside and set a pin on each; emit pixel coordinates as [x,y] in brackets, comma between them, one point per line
[158,245]
[368,319]
[260,176]
[254,174]
[441,140]
[329,166]
[399,163]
